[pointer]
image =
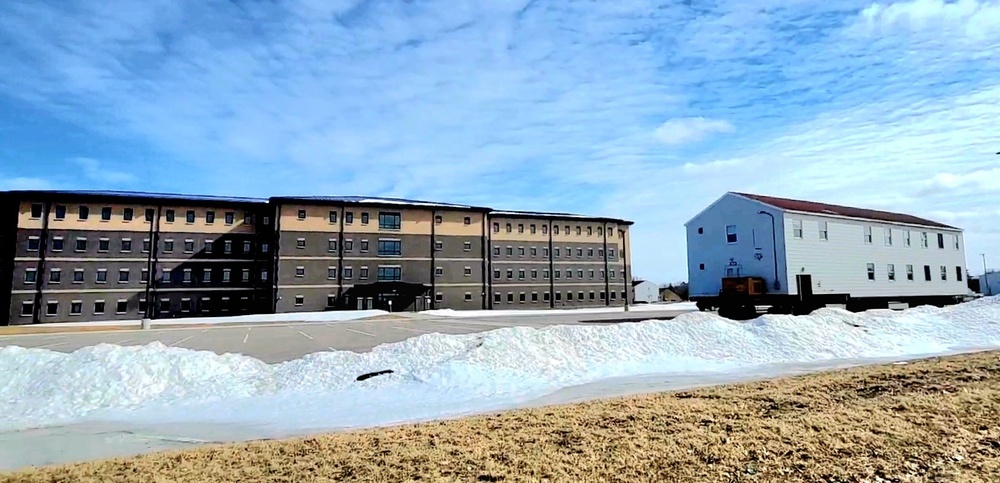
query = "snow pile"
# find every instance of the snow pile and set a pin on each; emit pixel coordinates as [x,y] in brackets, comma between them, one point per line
[679,306]
[440,375]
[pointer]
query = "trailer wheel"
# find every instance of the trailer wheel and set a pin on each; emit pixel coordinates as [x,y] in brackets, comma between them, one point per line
[703,306]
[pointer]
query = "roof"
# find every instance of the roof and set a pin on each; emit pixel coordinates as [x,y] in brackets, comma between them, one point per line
[557,216]
[374,200]
[131,195]
[845,211]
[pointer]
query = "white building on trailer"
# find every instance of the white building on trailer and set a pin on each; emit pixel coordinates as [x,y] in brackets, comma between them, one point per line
[645,292]
[804,248]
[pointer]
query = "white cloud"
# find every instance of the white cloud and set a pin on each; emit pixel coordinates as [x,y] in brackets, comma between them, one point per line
[690,129]
[972,19]
[24,183]
[979,181]
[97,172]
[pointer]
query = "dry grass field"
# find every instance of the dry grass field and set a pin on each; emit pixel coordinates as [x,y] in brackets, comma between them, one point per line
[930,420]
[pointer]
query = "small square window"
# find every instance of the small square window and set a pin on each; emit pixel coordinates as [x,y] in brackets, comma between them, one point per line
[30,276]
[188,246]
[78,275]
[121,307]
[190,216]
[333,216]
[170,216]
[36,210]
[57,244]
[300,272]
[128,214]
[349,217]
[302,214]
[52,308]
[27,308]
[209,217]
[99,307]
[33,244]
[467,246]
[83,212]
[467,220]
[123,275]
[230,217]
[60,212]
[300,243]
[364,218]
[102,275]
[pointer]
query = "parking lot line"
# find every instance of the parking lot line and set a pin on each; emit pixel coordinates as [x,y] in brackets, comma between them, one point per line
[182,341]
[359,332]
[412,330]
[307,336]
[48,346]
[247,336]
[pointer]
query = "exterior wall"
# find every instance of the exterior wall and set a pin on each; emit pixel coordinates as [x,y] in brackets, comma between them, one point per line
[646,292]
[128,285]
[989,284]
[839,263]
[711,257]
[322,261]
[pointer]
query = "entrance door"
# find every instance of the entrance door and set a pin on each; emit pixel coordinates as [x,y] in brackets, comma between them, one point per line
[805,285]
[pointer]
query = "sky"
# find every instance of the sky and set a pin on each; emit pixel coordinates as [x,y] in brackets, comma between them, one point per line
[640,109]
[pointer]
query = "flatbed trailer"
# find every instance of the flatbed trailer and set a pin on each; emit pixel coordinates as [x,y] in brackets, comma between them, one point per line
[740,297]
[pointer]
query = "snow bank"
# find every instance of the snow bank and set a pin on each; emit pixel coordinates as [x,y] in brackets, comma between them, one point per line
[680,306]
[321,317]
[440,375]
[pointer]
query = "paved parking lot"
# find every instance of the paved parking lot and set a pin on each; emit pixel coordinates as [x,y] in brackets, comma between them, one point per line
[287,341]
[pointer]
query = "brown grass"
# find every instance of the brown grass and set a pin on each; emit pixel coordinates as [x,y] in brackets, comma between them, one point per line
[932,420]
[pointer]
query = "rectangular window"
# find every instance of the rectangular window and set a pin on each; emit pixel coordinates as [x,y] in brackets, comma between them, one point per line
[209,217]
[36,210]
[520,251]
[467,271]
[106,213]
[545,253]
[333,216]
[522,297]
[166,275]
[569,295]
[364,218]
[557,274]
[510,274]
[363,273]
[909,273]
[390,274]
[534,274]
[331,273]
[558,296]
[888,236]
[99,307]
[496,274]
[145,245]
[188,246]
[52,308]
[168,246]
[364,246]
[83,212]
[520,274]
[300,272]
[208,246]
[142,306]
[149,215]
[186,275]
[190,216]
[590,253]
[331,300]
[390,247]
[611,253]
[497,298]
[101,276]
[590,273]
[245,275]
[438,245]
[509,228]
[496,228]
[940,240]
[923,239]
[555,252]
[892,272]
[185,305]
[510,297]
[121,307]
[871,271]
[27,308]
[206,275]
[33,244]
[545,229]
[247,247]
[227,247]
[227,275]
[927,273]
[57,243]
[958,273]
[81,244]
[128,214]
[349,217]
[348,245]
[611,274]
[467,220]
[301,214]
[348,272]
[797,228]
[906,238]
[123,275]
[467,247]
[30,276]
[55,275]
[60,212]
[76,307]
[126,245]
[578,233]
[170,216]
[438,271]
[230,217]
[520,227]
[103,245]
[248,218]
[868,234]
[944,273]
[545,274]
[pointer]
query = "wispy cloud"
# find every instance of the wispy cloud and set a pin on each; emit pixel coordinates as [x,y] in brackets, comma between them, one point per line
[525,104]
[22,183]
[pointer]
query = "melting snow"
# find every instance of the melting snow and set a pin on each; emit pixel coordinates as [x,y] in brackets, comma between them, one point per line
[438,375]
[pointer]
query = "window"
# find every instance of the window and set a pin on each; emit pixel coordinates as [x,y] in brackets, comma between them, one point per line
[496,251]
[390,274]
[888,236]
[467,271]
[390,247]
[30,275]
[906,238]
[497,298]
[958,273]
[927,273]
[909,272]
[566,229]
[944,273]
[103,245]
[55,275]
[300,272]
[797,228]
[611,253]
[331,273]
[27,308]
[248,218]
[467,220]
[510,297]
[438,245]
[83,212]
[940,240]
[333,216]
[230,217]
[57,243]
[145,245]
[247,247]
[871,271]
[264,248]
[614,295]
[520,251]
[611,274]
[206,304]
[190,216]
[208,246]
[128,214]
[438,271]
[569,295]
[348,272]
[206,275]
[123,275]
[590,230]
[868,234]
[496,274]
[121,307]
[545,229]
[302,214]
[36,210]
[545,252]
[245,275]
[168,245]
[557,274]
[555,229]
[331,300]
[579,232]
[331,245]
[510,274]
[186,275]
[364,218]
[558,296]
[149,215]
[579,253]
[33,244]
[590,273]
[545,274]
[555,252]
[892,272]
[349,217]
[348,245]
[520,228]
[438,219]
[510,251]
[467,247]
[534,274]
[52,308]
[701,266]
[102,275]
[954,239]
[364,246]
[590,253]
[81,244]
[509,228]
[468,296]
[142,306]
[170,215]
[522,297]
[496,228]
[165,276]
[185,305]
[126,245]
[209,217]
[923,239]
[363,273]
[60,212]
[520,274]
[188,246]
[227,247]
[579,273]
[226,275]
[99,306]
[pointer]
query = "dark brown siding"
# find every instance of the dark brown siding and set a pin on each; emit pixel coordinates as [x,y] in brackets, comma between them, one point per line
[8,249]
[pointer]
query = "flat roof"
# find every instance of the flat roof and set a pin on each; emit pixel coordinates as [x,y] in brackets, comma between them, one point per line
[132,195]
[558,216]
[375,201]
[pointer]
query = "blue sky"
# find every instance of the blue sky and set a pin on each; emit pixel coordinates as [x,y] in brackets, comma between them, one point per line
[642,109]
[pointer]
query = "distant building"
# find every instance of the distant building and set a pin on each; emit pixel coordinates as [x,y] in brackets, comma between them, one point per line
[989,283]
[667,294]
[646,292]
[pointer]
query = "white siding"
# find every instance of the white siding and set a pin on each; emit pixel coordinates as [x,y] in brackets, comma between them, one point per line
[646,292]
[839,264]
[710,255]
[989,284]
